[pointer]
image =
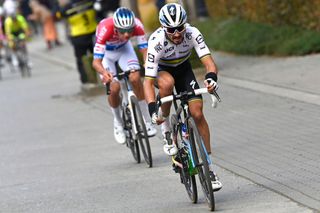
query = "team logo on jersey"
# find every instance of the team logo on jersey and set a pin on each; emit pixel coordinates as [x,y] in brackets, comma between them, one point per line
[169,49]
[202,47]
[158,47]
[99,48]
[192,84]
[199,39]
[150,57]
[189,35]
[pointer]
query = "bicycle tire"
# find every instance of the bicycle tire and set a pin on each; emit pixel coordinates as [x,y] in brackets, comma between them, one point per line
[131,143]
[23,64]
[201,160]
[142,135]
[189,181]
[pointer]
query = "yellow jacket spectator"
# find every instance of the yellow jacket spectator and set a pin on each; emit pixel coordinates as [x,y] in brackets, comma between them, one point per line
[81,19]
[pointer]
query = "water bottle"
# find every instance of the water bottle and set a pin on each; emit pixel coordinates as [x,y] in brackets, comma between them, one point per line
[184,131]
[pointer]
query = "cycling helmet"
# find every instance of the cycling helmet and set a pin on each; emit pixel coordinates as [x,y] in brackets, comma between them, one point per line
[123,18]
[12,14]
[172,15]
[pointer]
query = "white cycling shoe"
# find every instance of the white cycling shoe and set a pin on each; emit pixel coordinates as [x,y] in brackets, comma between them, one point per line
[118,132]
[169,148]
[216,184]
[151,130]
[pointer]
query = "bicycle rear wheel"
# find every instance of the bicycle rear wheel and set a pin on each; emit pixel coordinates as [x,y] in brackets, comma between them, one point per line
[23,64]
[130,141]
[142,135]
[200,156]
[187,179]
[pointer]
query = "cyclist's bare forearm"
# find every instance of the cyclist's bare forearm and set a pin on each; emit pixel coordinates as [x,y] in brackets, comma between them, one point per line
[97,65]
[106,75]
[149,92]
[209,64]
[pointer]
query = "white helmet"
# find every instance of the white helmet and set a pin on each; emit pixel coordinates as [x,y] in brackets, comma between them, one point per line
[123,18]
[172,15]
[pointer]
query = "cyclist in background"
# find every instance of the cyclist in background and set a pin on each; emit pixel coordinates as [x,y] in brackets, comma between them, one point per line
[16,28]
[81,19]
[169,48]
[113,45]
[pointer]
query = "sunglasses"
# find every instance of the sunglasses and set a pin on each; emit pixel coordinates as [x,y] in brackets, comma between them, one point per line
[123,31]
[172,30]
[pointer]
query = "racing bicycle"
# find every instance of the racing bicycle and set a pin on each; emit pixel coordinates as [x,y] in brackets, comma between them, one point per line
[22,56]
[192,158]
[133,121]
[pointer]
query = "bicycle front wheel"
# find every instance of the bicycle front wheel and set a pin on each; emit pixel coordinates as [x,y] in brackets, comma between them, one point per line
[187,179]
[130,141]
[201,160]
[142,135]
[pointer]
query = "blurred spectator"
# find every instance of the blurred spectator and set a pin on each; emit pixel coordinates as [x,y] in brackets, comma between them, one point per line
[81,19]
[160,3]
[105,7]
[26,11]
[43,14]
[2,36]
[201,8]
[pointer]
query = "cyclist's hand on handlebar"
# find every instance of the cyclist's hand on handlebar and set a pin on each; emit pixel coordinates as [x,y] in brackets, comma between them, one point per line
[211,85]
[211,81]
[106,77]
[156,119]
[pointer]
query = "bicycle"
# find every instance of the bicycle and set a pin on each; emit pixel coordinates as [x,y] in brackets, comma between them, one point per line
[22,56]
[192,158]
[133,122]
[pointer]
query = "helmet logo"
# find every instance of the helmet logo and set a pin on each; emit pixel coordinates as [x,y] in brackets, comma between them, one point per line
[172,11]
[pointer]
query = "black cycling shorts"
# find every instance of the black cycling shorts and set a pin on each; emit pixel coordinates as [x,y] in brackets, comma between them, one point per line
[184,78]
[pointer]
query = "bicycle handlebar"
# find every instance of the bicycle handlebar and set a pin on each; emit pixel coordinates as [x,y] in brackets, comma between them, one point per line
[214,96]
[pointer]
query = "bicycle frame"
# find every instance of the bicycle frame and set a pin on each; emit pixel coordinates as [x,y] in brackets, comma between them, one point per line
[183,107]
[127,93]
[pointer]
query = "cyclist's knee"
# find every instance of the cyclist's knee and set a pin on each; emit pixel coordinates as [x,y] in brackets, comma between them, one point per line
[198,116]
[135,78]
[165,84]
[197,113]
[114,88]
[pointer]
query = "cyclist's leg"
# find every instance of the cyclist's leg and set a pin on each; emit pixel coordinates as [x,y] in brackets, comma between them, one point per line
[188,82]
[196,110]
[129,61]
[109,64]
[114,98]
[12,47]
[166,86]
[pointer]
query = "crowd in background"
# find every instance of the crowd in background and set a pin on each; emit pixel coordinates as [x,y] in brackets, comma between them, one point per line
[41,17]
